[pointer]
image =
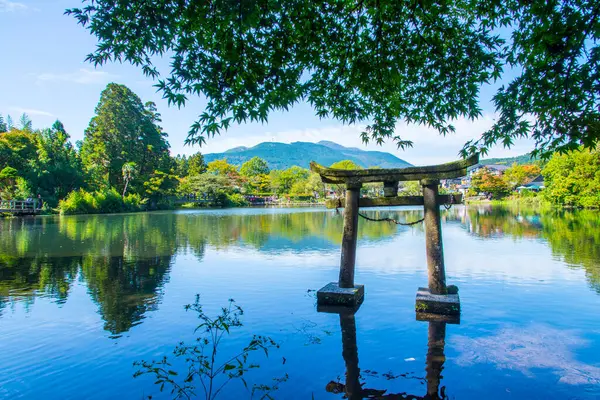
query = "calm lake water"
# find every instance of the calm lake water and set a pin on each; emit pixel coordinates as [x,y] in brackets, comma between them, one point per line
[83,297]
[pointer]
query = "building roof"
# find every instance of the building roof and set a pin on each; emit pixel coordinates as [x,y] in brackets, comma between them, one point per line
[497,167]
[537,179]
[494,167]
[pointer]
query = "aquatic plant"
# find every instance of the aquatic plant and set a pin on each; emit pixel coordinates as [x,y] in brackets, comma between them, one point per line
[203,365]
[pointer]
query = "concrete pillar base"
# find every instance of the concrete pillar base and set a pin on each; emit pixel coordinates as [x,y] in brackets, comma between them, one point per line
[445,304]
[332,294]
[428,317]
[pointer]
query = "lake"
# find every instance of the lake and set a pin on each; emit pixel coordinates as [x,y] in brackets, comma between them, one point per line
[83,297]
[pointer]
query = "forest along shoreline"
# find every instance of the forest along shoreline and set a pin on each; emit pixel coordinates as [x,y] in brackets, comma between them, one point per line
[130,169]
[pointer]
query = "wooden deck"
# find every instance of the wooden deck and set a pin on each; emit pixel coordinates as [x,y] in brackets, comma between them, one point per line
[19,207]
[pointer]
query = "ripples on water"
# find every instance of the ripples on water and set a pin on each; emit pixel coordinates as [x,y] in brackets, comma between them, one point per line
[83,297]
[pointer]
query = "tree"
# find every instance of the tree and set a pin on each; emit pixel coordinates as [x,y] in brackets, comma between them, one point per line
[124,130]
[346,164]
[411,188]
[18,149]
[128,172]
[196,165]
[58,168]
[160,185]
[518,175]
[286,179]
[9,122]
[378,62]
[26,123]
[181,165]
[13,186]
[483,181]
[573,179]
[254,166]
[221,167]
[212,187]
[256,173]
[8,177]
[3,126]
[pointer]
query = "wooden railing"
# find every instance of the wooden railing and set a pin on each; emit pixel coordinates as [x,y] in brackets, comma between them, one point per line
[19,206]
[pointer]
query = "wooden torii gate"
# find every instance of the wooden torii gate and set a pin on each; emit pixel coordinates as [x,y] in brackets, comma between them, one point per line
[435,298]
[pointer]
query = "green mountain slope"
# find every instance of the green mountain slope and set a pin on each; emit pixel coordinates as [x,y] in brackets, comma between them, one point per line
[524,159]
[282,155]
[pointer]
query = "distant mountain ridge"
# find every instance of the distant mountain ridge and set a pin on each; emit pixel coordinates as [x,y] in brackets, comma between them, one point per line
[520,160]
[283,155]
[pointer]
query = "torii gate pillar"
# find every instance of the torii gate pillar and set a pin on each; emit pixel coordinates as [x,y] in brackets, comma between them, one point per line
[345,292]
[433,238]
[437,298]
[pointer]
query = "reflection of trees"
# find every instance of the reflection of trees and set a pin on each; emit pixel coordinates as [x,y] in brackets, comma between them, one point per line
[353,389]
[125,289]
[123,259]
[496,221]
[573,235]
[23,279]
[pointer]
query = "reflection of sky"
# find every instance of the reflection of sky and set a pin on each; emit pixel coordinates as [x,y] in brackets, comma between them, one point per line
[527,349]
[521,336]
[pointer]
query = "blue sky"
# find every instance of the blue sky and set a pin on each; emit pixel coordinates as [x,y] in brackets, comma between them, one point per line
[43,73]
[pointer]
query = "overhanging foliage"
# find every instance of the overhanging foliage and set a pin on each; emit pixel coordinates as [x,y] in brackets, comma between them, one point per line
[368,61]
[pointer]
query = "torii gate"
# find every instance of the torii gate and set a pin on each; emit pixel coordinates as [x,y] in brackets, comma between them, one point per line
[435,298]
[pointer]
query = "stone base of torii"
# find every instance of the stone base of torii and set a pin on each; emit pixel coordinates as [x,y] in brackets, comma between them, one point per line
[437,297]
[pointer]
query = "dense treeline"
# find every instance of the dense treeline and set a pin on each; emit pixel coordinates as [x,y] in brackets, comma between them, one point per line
[570,180]
[124,164]
[42,162]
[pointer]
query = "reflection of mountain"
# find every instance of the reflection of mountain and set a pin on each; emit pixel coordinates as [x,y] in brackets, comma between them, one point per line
[572,235]
[257,230]
[125,290]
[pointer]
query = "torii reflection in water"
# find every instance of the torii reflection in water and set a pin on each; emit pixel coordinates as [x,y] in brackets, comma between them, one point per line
[354,390]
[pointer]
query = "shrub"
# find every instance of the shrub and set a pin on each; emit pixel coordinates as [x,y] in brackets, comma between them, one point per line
[526,193]
[134,202]
[236,200]
[104,201]
[76,202]
[109,201]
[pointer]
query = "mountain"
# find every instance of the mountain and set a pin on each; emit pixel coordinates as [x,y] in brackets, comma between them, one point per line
[524,159]
[283,155]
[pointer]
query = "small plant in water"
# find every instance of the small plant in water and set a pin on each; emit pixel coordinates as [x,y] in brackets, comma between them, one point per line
[201,360]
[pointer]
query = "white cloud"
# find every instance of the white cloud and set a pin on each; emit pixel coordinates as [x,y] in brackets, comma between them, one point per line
[11,6]
[31,111]
[83,76]
[429,147]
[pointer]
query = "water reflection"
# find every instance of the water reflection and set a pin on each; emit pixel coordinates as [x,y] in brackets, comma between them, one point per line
[529,349]
[572,235]
[124,260]
[354,389]
[125,289]
[22,279]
